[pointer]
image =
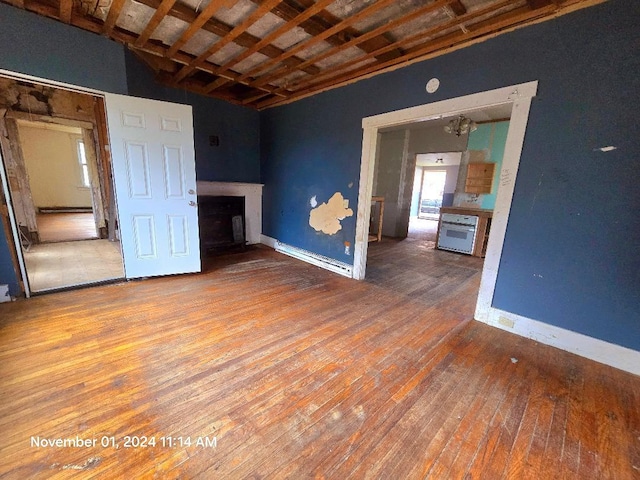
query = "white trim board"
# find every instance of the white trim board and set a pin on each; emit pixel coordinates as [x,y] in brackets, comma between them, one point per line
[519,96]
[14,225]
[598,350]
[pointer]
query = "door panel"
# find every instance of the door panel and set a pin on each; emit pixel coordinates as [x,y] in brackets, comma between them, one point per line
[154,175]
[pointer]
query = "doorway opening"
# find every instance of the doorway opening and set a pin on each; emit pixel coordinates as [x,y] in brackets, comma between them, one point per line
[514,99]
[58,180]
[431,192]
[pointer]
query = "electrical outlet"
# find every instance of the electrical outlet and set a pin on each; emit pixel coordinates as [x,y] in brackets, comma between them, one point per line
[507,322]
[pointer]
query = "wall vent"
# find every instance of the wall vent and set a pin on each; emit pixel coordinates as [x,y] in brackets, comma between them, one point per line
[315,259]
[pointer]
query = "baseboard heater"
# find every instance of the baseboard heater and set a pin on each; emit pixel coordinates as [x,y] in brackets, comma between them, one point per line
[65,210]
[315,259]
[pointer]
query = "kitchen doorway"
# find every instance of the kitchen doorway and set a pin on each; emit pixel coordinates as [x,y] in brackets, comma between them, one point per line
[516,99]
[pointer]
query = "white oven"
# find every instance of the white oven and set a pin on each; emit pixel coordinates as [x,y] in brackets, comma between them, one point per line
[457,232]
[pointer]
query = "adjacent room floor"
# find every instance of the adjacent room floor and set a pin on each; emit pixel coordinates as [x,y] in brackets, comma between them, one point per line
[65,227]
[64,264]
[423,228]
[266,367]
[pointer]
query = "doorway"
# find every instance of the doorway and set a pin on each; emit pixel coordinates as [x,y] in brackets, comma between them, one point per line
[517,100]
[58,178]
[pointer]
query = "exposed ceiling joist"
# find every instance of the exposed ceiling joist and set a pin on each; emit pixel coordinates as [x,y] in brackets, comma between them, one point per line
[66,7]
[230,37]
[263,53]
[197,24]
[219,28]
[320,37]
[274,75]
[153,23]
[270,38]
[112,16]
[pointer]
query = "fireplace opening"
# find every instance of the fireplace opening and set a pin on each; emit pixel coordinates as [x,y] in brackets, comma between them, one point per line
[222,223]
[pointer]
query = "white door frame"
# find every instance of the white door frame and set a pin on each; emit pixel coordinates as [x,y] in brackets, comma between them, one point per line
[519,96]
[5,185]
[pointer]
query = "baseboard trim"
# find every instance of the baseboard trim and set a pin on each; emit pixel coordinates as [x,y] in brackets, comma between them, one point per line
[600,351]
[268,241]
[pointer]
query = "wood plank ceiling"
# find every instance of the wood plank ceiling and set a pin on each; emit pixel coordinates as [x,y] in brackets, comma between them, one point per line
[263,53]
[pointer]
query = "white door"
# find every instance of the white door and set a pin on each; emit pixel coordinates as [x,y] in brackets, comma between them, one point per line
[155,183]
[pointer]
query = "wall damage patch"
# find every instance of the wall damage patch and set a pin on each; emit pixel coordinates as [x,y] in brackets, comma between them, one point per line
[326,217]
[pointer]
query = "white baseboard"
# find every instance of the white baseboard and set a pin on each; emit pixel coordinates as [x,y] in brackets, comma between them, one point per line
[321,261]
[598,350]
[268,241]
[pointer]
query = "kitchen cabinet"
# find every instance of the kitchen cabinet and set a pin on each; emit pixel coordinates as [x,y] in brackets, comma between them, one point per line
[479,178]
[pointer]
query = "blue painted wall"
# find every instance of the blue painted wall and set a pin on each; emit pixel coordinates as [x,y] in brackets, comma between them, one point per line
[38,46]
[237,158]
[570,255]
[41,47]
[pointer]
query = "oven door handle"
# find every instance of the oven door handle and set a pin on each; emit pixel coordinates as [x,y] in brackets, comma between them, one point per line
[458,227]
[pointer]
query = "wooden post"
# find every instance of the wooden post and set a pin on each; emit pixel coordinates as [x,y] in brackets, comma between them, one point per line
[19,179]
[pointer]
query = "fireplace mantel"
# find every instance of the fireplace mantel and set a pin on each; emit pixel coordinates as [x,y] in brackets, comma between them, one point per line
[252,193]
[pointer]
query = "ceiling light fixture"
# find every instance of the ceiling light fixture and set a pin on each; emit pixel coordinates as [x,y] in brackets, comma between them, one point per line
[460,126]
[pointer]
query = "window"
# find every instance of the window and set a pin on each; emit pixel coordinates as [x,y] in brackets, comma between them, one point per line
[82,159]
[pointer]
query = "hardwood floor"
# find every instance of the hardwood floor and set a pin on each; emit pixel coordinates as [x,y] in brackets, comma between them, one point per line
[66,227]
[300,373]
[65,264]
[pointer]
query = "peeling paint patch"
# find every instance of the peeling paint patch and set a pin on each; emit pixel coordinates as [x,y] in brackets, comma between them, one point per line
[313,202]
[326,217]
[610,148]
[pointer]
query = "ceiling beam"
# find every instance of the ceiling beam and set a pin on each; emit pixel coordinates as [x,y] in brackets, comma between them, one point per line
[271,37]
[362,14]
[198,23]
[428,34]
[66,7]
[256,15]
[16,3]
[511,19]
[153,23]
[333,51]
[94,25]
[112,16]
[457,7]
[536,4]
[323,21]
[246,40]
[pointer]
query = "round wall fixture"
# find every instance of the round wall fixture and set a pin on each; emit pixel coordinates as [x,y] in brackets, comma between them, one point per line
[432,85]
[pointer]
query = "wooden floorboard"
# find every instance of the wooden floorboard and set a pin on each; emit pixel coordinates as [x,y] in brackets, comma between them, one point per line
[66,227]
[301,373]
